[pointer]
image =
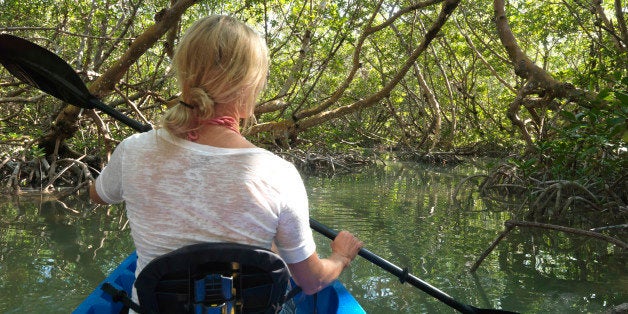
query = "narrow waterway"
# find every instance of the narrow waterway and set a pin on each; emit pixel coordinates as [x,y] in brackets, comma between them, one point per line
[53,254]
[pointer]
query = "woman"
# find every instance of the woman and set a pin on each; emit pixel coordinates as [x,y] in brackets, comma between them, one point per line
[198,180]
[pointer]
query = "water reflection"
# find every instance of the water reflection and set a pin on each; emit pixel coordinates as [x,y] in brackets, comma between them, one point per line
[406,214]
[50,256]
[53,254]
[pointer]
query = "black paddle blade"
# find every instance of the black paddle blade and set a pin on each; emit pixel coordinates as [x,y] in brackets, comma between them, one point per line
[42,69]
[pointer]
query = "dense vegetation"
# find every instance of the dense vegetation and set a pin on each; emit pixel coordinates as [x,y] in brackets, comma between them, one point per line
[542,84]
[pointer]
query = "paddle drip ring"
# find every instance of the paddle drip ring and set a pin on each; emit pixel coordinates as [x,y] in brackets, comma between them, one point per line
[404,275]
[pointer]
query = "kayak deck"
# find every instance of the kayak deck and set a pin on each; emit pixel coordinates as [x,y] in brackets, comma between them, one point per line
[333,299]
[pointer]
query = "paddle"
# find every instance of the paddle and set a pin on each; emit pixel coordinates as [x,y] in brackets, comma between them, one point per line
[46,71]
[40,68]
[404,276]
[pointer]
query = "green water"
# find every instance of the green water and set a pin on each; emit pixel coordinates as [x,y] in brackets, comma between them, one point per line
[53,254]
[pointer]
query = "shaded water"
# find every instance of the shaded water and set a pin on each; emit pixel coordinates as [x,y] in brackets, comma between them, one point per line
[53,254]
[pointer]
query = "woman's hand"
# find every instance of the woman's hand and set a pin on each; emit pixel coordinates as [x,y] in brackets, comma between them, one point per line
[346,246]
[314,274]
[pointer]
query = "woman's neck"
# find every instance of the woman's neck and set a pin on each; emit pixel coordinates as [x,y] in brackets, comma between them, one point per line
[219,136]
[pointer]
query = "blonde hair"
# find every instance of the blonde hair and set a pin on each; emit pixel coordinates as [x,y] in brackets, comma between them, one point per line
[219,60]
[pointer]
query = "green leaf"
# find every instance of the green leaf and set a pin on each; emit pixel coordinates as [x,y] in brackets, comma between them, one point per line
[623,97]
[603,94]
[568,115]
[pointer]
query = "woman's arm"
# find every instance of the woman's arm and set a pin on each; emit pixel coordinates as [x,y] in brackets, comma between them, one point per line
[313,274]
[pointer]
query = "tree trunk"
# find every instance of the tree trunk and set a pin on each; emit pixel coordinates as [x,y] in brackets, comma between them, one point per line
[65,124]
[538,82]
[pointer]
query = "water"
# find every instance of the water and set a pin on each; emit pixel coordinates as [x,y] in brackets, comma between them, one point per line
[53,254]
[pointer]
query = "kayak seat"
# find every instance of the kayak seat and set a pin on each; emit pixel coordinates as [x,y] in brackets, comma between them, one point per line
[213,278]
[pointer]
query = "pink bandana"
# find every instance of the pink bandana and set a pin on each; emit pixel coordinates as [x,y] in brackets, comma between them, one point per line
[226,121]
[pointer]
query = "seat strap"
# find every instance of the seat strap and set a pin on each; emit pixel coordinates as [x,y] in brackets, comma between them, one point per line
[119,295]
[214,295]
[296,290]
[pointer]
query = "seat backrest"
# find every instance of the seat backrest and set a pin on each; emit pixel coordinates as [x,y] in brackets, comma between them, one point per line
[213,278]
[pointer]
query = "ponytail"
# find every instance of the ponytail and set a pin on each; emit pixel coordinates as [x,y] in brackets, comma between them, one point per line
[219,60]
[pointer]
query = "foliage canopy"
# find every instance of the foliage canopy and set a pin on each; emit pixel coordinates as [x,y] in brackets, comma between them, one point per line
[541,78]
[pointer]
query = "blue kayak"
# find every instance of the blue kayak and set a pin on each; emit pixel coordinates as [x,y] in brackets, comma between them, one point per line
[333,299]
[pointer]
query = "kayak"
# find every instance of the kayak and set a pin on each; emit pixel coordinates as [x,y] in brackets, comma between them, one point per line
[333,299]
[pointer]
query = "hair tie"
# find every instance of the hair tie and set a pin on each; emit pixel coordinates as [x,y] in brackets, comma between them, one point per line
[186,104]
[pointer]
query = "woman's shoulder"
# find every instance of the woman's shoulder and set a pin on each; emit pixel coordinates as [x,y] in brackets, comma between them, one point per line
[278,167]
[271,156]
[138,139]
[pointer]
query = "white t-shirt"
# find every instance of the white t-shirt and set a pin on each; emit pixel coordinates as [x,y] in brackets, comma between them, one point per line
[179,192]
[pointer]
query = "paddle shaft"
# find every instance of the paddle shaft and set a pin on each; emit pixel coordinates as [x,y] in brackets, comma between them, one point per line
[400,273]
[136,125]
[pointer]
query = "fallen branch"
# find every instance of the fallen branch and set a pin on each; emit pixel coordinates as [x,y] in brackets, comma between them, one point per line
[587,233]
[490,248]
[510,224]
[598,229]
